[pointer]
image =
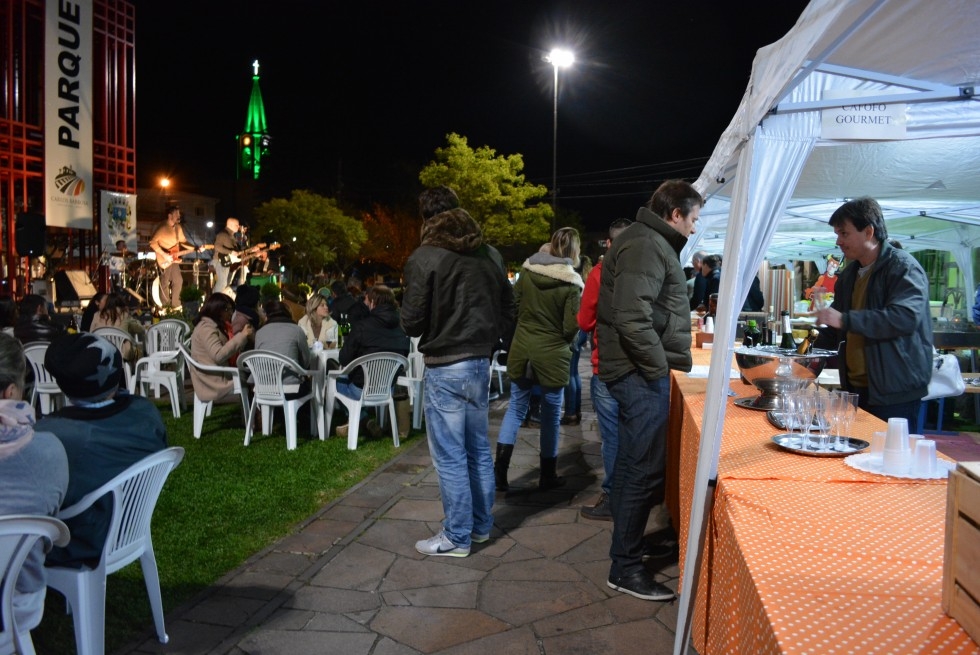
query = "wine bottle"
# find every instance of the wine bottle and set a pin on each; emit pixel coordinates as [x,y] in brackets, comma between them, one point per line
[787,342]
[752,336]
[807,344]
[769,330]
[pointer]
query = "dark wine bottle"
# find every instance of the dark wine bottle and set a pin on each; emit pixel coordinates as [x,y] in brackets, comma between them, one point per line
[787,342]
[752,336]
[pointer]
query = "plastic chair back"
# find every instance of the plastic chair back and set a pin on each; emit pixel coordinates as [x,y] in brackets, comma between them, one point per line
[45,386]
[269,390]
[134,497]
[18,536]
[166,335]
[202,408]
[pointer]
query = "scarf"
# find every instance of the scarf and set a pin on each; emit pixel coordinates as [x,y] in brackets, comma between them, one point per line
[16,426]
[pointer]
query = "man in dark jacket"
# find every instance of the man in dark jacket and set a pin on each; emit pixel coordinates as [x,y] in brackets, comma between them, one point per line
[644,331]
[881,314]
[459,301]
[35,323]
[378,332]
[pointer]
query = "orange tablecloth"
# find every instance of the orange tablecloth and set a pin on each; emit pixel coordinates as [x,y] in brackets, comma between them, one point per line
[806,554]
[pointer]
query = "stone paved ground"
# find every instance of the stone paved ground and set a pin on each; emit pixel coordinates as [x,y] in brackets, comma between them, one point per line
[349,581]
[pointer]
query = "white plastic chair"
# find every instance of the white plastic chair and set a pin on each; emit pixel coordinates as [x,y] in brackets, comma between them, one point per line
[499,369]
[134,497]
[380,370]
[45,389]
[163,364]
[202,408]
[414,381]
[118,338]
[18,535]
[269,391]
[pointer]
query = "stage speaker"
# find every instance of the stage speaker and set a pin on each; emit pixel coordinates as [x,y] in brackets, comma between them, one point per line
[29,235]
[72,287]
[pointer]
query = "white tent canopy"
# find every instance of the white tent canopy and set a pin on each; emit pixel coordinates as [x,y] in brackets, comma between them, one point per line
[774,179]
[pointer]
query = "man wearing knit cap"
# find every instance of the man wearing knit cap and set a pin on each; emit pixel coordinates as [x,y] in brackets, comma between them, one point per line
[104,431]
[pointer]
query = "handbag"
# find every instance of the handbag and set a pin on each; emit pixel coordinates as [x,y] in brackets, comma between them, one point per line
[946,379]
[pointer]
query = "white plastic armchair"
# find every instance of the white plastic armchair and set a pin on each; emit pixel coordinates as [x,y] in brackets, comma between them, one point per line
[379,370]
[202,408]
[163,364]
[499,368]
[134,496]
[18,535]
[45,389]
[414,381]
[267,369]
[119,338]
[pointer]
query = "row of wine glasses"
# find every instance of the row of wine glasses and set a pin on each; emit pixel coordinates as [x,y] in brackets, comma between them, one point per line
[806,407]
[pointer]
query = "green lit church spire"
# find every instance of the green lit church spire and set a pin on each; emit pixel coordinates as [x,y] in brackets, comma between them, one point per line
[253,142]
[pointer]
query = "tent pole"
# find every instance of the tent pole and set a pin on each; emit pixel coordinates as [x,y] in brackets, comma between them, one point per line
[682,639]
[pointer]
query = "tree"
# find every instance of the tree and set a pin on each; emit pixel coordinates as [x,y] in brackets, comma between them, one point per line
[313,230]
[392,235]
[493,190]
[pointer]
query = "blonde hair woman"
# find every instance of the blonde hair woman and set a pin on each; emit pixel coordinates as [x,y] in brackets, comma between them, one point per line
[317,324]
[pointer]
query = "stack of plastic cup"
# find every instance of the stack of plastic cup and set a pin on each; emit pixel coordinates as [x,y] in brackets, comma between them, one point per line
[896,456]
[924,458]
[877,447]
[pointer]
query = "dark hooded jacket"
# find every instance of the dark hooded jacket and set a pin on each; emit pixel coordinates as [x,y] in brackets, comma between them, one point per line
[457,296]
[548,295]
[644,321]
[378,332]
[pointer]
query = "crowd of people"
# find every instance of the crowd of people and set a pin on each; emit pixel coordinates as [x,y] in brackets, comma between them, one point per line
[632,308]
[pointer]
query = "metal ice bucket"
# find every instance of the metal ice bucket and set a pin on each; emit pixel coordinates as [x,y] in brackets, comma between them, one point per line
[774,371]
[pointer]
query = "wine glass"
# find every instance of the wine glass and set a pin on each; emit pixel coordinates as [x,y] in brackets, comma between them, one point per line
[819,298]
[849,407]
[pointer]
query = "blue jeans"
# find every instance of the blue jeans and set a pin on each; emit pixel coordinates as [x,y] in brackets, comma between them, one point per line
[520,398]
[573,391]
[638,477]
[456,402]
[607,411]
[348,388]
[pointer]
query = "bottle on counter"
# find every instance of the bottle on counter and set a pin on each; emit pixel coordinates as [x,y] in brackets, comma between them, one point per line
[807,344]
[752,336]
[72,325]
[786,341]
[769,329]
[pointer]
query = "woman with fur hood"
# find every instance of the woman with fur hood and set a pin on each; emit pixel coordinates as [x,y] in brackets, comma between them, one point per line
[547,293]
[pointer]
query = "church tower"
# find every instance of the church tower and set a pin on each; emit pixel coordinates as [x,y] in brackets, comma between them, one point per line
[253,142]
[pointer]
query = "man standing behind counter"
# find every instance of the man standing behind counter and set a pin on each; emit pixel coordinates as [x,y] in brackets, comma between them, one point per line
[879,318]
[644,329]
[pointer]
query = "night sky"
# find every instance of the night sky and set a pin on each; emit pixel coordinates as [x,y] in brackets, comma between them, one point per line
[358,95]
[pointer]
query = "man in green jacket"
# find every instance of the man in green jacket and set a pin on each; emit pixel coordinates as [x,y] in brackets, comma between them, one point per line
[644,331]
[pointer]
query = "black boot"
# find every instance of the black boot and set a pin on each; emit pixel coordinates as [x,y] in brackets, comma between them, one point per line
[504,451]
[549,478]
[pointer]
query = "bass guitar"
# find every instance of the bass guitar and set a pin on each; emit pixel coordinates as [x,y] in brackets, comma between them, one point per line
[235,259]
[174,255]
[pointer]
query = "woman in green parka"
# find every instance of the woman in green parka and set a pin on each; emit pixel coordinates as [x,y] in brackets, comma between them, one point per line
[547,293]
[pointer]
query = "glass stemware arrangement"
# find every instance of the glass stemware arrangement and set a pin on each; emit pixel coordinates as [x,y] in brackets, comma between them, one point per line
[823,418]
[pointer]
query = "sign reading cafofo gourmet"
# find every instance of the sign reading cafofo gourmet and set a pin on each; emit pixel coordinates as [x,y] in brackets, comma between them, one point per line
[68,114]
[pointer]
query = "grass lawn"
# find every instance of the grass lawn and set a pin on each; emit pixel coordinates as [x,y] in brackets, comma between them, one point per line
[222,504]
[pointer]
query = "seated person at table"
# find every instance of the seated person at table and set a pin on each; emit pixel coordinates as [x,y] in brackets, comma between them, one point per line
[378,332]
[115,314]
[213,344]
[317,324]
[94,306]
[34,470]
[104,431]
[281,335]
[346,306]
[34,323]
[246,308]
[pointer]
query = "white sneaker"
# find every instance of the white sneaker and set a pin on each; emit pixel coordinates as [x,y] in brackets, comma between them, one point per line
[478,538]
[440,545]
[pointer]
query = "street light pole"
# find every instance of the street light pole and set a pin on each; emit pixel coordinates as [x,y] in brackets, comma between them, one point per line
[558,58]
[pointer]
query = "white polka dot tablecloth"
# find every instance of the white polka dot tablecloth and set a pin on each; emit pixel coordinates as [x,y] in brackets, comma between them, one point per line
[809,555]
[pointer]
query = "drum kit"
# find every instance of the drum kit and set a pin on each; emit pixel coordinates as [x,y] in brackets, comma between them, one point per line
[133,273]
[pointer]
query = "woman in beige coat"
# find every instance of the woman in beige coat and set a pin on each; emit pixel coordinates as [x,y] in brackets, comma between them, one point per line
[211,345]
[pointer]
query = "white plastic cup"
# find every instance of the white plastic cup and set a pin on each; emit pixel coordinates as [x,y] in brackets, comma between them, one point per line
[877,447]
[897,436]
[924,458]
[709,325]
[896,457]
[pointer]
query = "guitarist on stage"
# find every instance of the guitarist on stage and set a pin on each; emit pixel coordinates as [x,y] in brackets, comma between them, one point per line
[167,241]
[225,247]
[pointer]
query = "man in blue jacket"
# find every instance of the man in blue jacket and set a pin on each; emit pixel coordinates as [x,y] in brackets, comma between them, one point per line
[879,318]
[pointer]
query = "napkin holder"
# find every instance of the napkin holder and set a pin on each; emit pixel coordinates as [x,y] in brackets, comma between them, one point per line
[961,562]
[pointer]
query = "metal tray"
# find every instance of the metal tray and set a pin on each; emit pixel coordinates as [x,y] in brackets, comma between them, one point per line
[793,442]
[747,403]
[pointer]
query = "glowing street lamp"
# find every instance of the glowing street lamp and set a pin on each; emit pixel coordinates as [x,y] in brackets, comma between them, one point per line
[558,58]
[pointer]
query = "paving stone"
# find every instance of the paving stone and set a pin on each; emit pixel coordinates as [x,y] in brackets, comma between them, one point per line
[520,641]
[552,540]
[329,622]
[456,595]
[429,630]
[357,567]
[429,572]
[595,548]
[584,618]
[278,642]
[520,603]
[536,571]
[261,585]
[388,646]
[187,638]
[347,513]
[326,599]
[638,638]
[416,510]
[226,609]
[288,619]
[280,562]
